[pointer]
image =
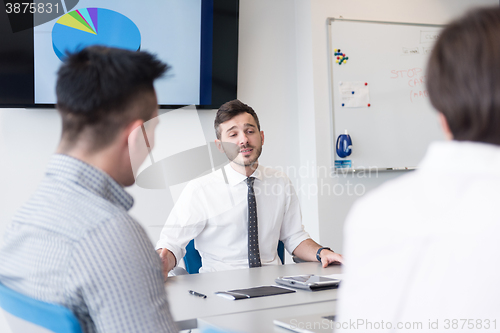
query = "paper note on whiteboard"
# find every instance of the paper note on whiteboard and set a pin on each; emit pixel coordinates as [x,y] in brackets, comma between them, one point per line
[354,94]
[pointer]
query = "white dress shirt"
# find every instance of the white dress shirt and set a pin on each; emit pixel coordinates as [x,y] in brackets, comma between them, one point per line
[213,210]
[424,248]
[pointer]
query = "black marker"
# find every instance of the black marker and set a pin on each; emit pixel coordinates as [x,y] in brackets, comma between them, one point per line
[192,292]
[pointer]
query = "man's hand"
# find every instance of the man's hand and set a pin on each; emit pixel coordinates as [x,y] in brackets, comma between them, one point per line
[307,251]
[329,257]
[168,261]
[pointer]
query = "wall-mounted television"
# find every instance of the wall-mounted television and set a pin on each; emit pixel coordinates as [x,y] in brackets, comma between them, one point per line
[197,38]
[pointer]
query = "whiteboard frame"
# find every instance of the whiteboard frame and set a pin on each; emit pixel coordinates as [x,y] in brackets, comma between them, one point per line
[329,22]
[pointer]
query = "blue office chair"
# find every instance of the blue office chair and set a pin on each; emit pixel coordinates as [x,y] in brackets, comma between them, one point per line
[192,259]
[26,314]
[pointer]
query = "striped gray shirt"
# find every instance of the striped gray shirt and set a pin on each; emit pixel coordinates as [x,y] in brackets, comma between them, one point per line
[73,243]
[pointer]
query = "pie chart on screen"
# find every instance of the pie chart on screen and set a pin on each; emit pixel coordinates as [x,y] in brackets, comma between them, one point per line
[94,26]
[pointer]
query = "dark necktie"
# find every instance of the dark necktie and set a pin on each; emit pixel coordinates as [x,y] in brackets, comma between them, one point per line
[253,228]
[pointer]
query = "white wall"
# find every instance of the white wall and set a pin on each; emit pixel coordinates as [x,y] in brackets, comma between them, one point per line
[267,82]
[283,74]
[27,140]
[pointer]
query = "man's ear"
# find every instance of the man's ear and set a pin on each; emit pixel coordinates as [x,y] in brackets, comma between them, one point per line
[133,132]
[135,145]
[262,137]
[445,127]
[218,144]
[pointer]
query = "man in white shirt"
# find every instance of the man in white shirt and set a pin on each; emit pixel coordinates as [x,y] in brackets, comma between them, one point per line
[238,214]
[422,250]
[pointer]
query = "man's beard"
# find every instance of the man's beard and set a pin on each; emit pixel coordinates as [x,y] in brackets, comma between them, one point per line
[232,152]
[251,162]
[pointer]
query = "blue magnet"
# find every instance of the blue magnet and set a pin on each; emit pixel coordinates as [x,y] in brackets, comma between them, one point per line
[353,92]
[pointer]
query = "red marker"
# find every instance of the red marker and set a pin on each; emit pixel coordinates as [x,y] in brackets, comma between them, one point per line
[366,85]
[369,105]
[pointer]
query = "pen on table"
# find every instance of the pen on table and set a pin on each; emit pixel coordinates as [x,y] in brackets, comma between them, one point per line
[192,292]
[400,169]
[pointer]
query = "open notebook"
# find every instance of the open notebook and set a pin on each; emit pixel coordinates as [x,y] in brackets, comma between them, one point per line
[254,292]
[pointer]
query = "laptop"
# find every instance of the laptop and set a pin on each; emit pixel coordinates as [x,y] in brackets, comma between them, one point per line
[314,323]
[309,282]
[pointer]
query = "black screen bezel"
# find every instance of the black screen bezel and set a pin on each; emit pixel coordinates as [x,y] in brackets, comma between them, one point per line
[17,65]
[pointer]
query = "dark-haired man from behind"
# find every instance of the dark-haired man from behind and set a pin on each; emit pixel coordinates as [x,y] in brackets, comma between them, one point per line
[423,250]
[73,243]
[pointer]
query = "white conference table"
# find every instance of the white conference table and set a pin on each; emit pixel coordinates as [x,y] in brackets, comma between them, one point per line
[262,320]
[186,308]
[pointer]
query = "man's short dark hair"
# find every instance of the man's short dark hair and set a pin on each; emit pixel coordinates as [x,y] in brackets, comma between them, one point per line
[463,76]
[231,109]
[96,87]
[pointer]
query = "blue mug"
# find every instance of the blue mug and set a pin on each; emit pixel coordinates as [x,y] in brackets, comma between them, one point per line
[344,145]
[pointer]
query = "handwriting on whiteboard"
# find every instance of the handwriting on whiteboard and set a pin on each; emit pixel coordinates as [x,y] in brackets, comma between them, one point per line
[422,50]
[406,73]
[411,50]
[415,79]
[418,94]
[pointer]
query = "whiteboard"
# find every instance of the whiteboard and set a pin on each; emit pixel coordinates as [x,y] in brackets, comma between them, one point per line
[388,61]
